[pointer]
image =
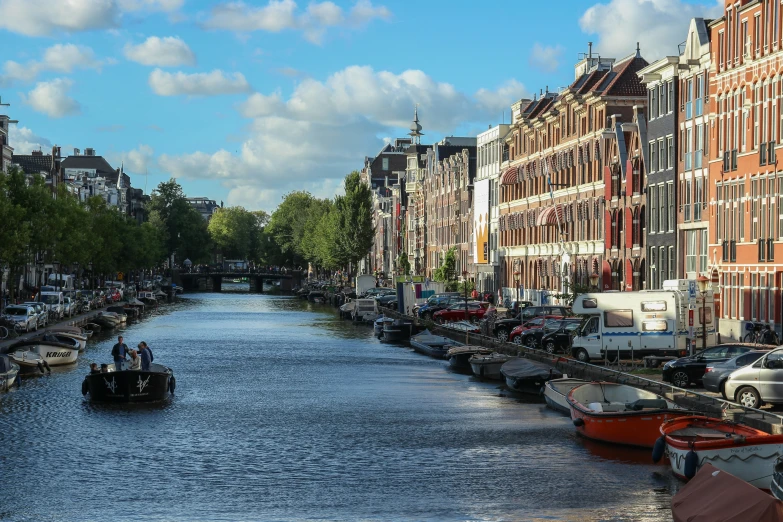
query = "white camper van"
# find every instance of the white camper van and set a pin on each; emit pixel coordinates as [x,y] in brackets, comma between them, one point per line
[61,281]
[54,301]
[650,322]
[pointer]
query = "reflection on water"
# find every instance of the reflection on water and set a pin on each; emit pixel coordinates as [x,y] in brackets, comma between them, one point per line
[284,412]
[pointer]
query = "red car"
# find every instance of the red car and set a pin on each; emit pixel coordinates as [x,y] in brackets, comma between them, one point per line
[456,312]
[538,322]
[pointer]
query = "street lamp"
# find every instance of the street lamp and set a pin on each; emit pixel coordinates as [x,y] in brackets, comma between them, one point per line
[465,285]
[702,282]
[594,280]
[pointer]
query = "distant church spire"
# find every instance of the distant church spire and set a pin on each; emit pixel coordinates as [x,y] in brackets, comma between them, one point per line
[415,132]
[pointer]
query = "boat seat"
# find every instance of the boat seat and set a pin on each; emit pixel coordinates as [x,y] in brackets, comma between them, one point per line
[646,404]
[610,407]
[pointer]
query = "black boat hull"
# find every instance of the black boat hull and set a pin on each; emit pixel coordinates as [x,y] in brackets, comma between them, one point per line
[397,332]
[129,386]
[436,351]
[461,363]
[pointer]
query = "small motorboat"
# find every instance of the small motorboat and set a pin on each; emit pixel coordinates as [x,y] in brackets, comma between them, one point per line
[73,332]
[93,328]
[107,320]
[397,331]
[377,325]
[714,495]
[463,326]
[55,350]
[556,390]
[316,297]
[346,310]
[488,366]
[9,372]
[127,311]
[433,345]
[526,376]
[130,385]
[148,298]
[619,413]
[459,357]
[745,452]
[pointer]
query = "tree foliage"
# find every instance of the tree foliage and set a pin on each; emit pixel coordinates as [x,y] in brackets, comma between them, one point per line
[446,271]
[183,230]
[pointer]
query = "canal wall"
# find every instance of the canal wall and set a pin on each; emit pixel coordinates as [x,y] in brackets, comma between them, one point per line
[704,404]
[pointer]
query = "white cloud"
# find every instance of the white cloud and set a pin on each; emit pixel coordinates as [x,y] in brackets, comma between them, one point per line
[169,51]
[197,84]
[282,15]
[61,58]
[311,139]
[545,57]
[45,17]
[51,98]
[135,161]
[659,25]
[24,141]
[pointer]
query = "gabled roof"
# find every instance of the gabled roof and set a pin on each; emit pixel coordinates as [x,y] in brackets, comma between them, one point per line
[626,82]
[34,164]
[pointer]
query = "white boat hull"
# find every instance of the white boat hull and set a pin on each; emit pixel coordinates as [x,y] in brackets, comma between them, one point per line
[55,355]
[753,463]
[76,337]
[8,379]
[488,370]
[26,359]
[555,396]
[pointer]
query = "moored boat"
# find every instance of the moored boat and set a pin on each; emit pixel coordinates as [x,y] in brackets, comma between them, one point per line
[9,373]
[397,331]
[459,357]
[55,350]
[526,376]
[745,452]
[93,327]
[776,487]
[130,385]
[107,320]
[620,414]
[556,390]
[488,366]
[377,325]
[717,496]
[28,360]
[433,345]
[73,332]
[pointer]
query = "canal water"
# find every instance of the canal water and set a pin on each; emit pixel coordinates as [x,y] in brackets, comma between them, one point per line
[284,412]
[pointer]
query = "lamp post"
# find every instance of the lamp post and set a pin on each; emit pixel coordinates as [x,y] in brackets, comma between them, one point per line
[40,266]
[702,282]
[465,285]
[594,281]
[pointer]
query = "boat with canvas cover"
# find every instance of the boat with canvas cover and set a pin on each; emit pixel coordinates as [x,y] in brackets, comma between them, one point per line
[459,357]
[718,496]
[745,452]
[488,366]
[433,345]
[130,385]
[9,372]
[556,390]
[619,413]
[526,376]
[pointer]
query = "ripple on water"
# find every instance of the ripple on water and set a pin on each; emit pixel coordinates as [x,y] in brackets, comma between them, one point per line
[283,412]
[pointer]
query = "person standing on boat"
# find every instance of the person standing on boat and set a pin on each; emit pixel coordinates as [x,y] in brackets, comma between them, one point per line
[120,354]
[146,356]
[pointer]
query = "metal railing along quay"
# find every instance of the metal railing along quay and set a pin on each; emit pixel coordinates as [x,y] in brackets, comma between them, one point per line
[698,402]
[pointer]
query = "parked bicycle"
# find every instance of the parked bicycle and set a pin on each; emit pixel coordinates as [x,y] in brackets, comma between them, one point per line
[760,333]
[7,328]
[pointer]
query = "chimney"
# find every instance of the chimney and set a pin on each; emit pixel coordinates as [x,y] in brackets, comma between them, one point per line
[89,151]
[76,152]
[37,152]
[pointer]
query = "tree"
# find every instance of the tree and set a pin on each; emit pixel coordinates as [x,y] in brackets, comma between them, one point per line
[445,273]
[235,232]
[287,227]
[403,264]
[182,228]
[355,232]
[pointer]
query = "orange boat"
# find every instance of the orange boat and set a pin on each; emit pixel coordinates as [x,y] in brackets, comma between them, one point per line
[619,413]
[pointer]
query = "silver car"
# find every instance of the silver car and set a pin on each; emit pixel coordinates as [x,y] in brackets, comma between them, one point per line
[758,383]
[42,311]
[716,374]
[24,317]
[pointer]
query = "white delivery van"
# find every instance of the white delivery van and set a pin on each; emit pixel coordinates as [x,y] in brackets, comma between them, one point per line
[364,283]
[61,281]
[53,301]
[650,322]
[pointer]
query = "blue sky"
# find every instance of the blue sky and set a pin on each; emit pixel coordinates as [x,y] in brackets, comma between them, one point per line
[244,102]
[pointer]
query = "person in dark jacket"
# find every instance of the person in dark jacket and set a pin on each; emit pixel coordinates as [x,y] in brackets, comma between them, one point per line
[120,354]
[146,356]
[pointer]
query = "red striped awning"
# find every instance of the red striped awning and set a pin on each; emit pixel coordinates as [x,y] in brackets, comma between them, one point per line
[551,215]
[509,177]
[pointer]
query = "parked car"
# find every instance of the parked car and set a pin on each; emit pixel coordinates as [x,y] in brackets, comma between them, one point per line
[428,311]
[457,312]
[503,327]
[559,341]
[41,311]
[70,307]
[716,375]
[532,338]
[433,298]
[377,292]
[758,383]
[385,300]
[538,322]
[690,370]
[24,317]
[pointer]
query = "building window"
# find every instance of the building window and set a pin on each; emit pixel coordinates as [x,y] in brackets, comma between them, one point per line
[670,201]
[687,200]
[385,164]
[653,103]
[757,33]
[703,252]
[672,263]
[670,150]
[653,268]
[662,208]
[653,157]
[662,157]
[662,268]
[690,250]
[697,193]
[670,97]
[699,95]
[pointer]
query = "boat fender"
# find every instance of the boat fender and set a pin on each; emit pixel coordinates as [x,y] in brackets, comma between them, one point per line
[46,365]
[41,367]
[691,462]
[579,423]
[172,385]
[658,449]
[85,388]
[18,381]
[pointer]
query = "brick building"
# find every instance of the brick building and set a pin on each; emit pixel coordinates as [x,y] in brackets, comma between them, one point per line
[745,183]
[571,198]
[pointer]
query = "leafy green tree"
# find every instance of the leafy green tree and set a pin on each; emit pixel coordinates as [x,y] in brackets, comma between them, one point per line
[287,227]
[446,271]
[355,231]
[403,265]
[235,232]
[182,228]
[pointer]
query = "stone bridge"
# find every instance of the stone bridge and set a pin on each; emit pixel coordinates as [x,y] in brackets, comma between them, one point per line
[190,281]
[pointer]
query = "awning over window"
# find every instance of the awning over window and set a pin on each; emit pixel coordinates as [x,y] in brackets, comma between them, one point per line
[509,176]
[551,215]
